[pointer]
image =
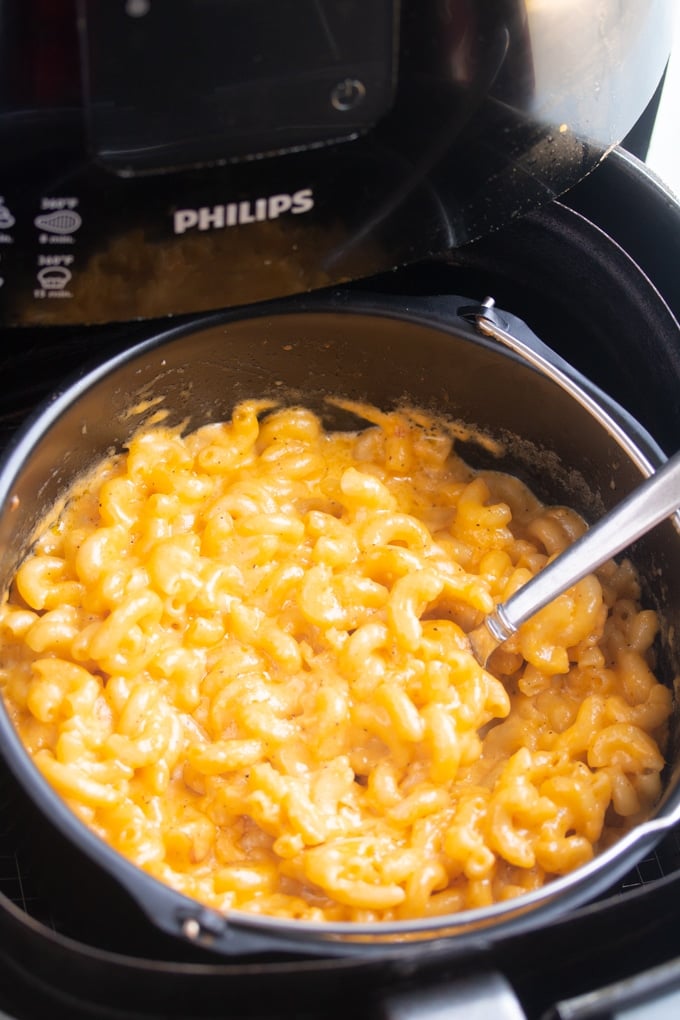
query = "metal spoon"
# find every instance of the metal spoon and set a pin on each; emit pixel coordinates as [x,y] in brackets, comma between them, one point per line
[649,504]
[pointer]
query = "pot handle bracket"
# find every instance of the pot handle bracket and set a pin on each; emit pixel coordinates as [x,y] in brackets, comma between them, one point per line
[514,334]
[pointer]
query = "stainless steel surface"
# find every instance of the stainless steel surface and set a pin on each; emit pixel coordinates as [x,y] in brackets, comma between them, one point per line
[476,997]
[493,323]
[652,502]
[653,994]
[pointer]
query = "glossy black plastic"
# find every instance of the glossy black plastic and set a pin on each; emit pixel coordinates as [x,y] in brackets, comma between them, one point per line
[498,108]
[182,85]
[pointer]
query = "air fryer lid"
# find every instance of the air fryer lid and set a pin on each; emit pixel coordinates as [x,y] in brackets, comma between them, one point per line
[303,145]
[280,79]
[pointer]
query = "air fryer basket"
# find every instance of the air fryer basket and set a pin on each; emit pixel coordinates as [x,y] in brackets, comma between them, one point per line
[381,350]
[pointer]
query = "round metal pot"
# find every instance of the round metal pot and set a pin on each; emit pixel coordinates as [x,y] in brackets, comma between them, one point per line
[561,434]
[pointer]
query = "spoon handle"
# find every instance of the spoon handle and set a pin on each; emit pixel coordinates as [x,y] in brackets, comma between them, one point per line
[649,504]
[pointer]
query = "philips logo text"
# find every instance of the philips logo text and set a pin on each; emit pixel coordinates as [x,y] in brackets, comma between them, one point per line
[217,217]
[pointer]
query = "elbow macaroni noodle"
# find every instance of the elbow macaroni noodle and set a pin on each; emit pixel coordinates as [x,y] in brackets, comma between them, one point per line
[241,656]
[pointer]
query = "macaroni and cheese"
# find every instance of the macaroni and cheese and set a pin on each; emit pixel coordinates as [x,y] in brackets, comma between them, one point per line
[240,655]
